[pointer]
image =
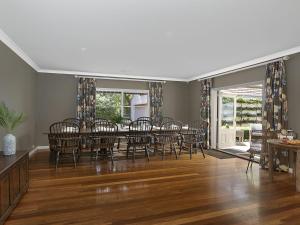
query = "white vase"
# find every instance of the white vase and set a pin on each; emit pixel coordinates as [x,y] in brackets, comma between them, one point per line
[9,144]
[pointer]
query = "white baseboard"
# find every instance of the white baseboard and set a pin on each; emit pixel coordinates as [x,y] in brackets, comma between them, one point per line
[43,147]
[34,150]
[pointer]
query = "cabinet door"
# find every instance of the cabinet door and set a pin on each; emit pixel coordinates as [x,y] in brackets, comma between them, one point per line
[24,174]
[4,194]
[14,182]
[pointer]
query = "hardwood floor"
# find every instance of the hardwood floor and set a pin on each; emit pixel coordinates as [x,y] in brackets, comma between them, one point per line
[197,191]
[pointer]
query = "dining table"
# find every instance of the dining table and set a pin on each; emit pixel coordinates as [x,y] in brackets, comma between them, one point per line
[279,145]
[124,131]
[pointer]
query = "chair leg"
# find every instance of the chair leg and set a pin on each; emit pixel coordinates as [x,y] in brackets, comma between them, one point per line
[111,155]
[174,148]
[74,158]
[180,148]
[163,152]
[78,154]
[248,166]
[250,160]
[133,153]
[97,154]
[127,151]
[202,150]
[92,150]
[191,148]
[119,140]
[147,153]
[57,159]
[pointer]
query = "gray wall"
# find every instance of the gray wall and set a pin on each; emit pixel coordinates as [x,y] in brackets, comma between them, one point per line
[293,92]
[194,100]
[56,99]
[176,100]
[17,90]
[241,77]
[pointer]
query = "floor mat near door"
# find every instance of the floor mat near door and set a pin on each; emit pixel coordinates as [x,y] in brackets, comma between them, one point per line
[218,154]
[234,151]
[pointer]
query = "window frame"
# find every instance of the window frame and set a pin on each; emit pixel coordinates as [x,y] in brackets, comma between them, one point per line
[130,91]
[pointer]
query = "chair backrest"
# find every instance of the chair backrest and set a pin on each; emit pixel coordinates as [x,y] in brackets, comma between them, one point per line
[126,121]
[104,127]
[64,128]
[198,126]
[171,127]
[72,120]
[104,134]
[140,126]
[197,131]
[145,118]
[97,120]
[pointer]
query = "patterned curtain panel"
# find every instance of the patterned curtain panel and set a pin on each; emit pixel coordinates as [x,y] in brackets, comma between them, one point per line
[275,114]
[156,101]
[205,112]
[86,99]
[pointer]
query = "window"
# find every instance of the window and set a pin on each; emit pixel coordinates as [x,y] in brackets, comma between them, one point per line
[113,103]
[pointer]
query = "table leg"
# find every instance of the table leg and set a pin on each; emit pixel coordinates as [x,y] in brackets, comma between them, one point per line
[297,166]
[270,151]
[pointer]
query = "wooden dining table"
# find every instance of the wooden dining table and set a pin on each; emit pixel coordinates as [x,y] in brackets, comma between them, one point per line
[277,145]
[123,132]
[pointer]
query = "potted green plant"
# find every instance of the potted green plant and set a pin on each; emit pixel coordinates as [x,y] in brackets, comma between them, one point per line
[9,121]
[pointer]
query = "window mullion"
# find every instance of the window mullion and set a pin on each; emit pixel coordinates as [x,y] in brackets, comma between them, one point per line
[122,102]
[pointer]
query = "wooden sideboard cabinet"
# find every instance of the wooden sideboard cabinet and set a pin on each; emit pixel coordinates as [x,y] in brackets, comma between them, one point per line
[14,181]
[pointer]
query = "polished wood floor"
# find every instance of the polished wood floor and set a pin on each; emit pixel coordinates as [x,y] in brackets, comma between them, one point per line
[197,191]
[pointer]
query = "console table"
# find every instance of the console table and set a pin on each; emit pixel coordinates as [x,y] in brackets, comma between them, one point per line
[14,181]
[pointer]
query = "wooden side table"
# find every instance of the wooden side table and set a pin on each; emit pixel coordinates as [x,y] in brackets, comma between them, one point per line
[279,146]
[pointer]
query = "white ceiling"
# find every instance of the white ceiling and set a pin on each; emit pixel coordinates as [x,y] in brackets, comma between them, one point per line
[168,39]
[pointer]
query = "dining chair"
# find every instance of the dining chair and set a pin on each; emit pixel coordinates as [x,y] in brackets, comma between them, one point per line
[103,138]
[65,140]
[195,135]
[125,122]
[256,141]
[139,137]
[169,134]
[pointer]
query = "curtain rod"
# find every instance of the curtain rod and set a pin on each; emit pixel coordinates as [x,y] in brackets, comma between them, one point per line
[118,78]
[285,58]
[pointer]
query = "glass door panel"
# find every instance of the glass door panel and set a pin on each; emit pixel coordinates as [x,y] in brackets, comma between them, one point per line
[227,121]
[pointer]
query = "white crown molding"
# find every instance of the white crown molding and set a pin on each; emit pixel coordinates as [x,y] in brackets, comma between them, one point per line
[246,65]
[16,49]
[113,76]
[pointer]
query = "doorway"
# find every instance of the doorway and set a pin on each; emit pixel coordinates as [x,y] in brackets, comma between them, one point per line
[237,110]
